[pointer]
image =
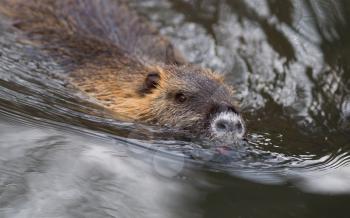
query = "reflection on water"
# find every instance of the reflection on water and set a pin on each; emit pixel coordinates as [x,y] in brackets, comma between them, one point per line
[62,156]
[51,173]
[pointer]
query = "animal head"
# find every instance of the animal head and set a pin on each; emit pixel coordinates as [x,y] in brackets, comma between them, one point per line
[192,98]
[184,97]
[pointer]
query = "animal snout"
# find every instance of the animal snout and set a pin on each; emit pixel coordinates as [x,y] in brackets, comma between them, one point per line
[228,125]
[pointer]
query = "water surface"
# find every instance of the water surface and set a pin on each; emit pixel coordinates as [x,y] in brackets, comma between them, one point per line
[63,156]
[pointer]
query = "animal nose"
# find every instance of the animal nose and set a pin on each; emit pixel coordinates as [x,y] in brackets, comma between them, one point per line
[228,124]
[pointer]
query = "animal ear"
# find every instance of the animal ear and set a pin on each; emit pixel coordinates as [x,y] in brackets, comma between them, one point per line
[150,83]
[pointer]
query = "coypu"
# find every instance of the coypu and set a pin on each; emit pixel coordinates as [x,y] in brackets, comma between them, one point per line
[116,57]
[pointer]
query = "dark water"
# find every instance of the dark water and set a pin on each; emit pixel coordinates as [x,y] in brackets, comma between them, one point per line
[61,156]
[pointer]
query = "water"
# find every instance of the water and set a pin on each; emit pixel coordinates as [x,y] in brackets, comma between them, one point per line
[63,156]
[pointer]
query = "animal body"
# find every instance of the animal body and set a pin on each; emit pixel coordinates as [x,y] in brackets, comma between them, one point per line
[116,57]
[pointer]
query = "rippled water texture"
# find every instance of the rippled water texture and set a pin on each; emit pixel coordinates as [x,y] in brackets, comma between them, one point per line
[63,156]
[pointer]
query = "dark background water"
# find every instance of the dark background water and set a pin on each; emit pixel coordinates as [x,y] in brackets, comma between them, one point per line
[61,156]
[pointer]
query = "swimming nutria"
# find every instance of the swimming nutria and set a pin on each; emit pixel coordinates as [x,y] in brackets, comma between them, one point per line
[116,57]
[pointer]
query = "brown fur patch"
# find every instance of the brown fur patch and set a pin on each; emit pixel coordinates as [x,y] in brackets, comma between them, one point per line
[109,51]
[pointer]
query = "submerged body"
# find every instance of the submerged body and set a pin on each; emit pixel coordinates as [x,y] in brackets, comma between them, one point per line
[114,56]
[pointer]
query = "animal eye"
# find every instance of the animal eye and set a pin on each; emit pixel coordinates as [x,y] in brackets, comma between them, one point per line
[180,97]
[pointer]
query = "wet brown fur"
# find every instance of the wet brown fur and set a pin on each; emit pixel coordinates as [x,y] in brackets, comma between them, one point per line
[109,50]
